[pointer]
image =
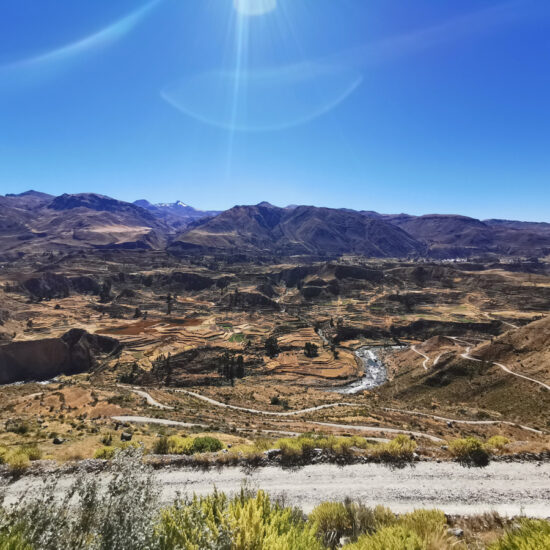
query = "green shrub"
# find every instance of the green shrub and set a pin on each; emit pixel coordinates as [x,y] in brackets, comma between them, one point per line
[389,538]
[206,444]
[399,449]
[178,445]
[18,462]
[107,440]
[332,521]
[425,523]
[258,524]
[290,448]
[13,540]
[193,525]
[245,523]
[531,535]
[497,442]
[161,446]
[32,451]
[470,452]
[17,426]
[3,454]
[105,453]
[89,515]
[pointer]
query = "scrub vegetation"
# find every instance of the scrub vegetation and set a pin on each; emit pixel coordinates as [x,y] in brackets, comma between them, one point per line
[124,513]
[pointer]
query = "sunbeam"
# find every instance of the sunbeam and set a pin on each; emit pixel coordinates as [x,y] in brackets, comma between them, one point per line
[254,7]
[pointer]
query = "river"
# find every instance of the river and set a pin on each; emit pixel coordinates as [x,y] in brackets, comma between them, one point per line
[375,372]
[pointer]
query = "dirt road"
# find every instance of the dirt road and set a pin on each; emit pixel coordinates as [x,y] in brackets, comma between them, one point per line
[508,488]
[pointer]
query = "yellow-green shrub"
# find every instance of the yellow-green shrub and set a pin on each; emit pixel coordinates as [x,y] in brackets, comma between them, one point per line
[18,462]
[105,453]
[498,442]
[246,523]
[395,537]
[332,521]
[399,449]
[290,448]
[469,451]
[257,524]
[32,451]
[531,535]
[13,541]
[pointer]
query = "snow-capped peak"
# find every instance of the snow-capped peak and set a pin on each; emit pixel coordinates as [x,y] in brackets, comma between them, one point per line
[173,204]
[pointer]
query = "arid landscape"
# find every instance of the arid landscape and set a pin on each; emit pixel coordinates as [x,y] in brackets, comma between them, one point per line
[274,275]
[101,340]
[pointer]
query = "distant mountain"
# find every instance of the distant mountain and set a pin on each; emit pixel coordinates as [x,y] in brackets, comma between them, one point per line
[265,228]
[460,236]
[177,214]
[85,220]
[28,199]
[37,222]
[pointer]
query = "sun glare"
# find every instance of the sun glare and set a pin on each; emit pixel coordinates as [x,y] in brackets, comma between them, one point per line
[254,7]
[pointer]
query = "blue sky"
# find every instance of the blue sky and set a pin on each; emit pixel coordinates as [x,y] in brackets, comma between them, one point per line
[391,105]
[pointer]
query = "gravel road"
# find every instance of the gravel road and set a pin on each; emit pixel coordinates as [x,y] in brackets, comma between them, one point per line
[508,488]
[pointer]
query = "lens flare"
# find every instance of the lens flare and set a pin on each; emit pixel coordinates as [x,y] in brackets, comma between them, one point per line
[254,7]
[267,100]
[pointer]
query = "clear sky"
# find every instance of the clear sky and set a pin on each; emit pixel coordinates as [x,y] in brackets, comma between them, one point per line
[415,106]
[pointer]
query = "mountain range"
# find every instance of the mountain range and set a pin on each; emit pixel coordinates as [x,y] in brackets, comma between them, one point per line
[38,222]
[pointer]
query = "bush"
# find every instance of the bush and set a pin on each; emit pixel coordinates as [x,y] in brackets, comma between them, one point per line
[18,462]
[107,440]
[421,529]
[178,445]
[531,535]
[259,525]
[245,523]
[17,426]
[400,449]
[498,442]
[389,538]
[161,446]
[120,516]
[200,523]
[206,444]
[470,452]
[32,452]
[13,540]
[3,454]
[332,521]
[105,453]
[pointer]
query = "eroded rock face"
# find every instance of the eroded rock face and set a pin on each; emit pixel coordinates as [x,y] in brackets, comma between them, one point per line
[48,286]
[75,352]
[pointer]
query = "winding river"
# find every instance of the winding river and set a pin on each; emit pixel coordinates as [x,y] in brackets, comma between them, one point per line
[375,372]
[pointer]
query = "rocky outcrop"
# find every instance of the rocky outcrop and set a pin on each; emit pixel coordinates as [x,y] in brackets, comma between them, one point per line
[51,285]
[249,300]
[186,281]
[75,352]
[48,286]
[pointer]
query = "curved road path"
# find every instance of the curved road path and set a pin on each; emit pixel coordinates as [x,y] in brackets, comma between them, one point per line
[472,422]
[466,355]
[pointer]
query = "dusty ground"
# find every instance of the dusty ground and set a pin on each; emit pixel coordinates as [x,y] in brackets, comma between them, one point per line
[510,489]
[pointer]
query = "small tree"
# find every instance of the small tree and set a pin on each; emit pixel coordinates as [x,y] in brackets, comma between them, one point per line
[272,347]
[311,350]
[239,370]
